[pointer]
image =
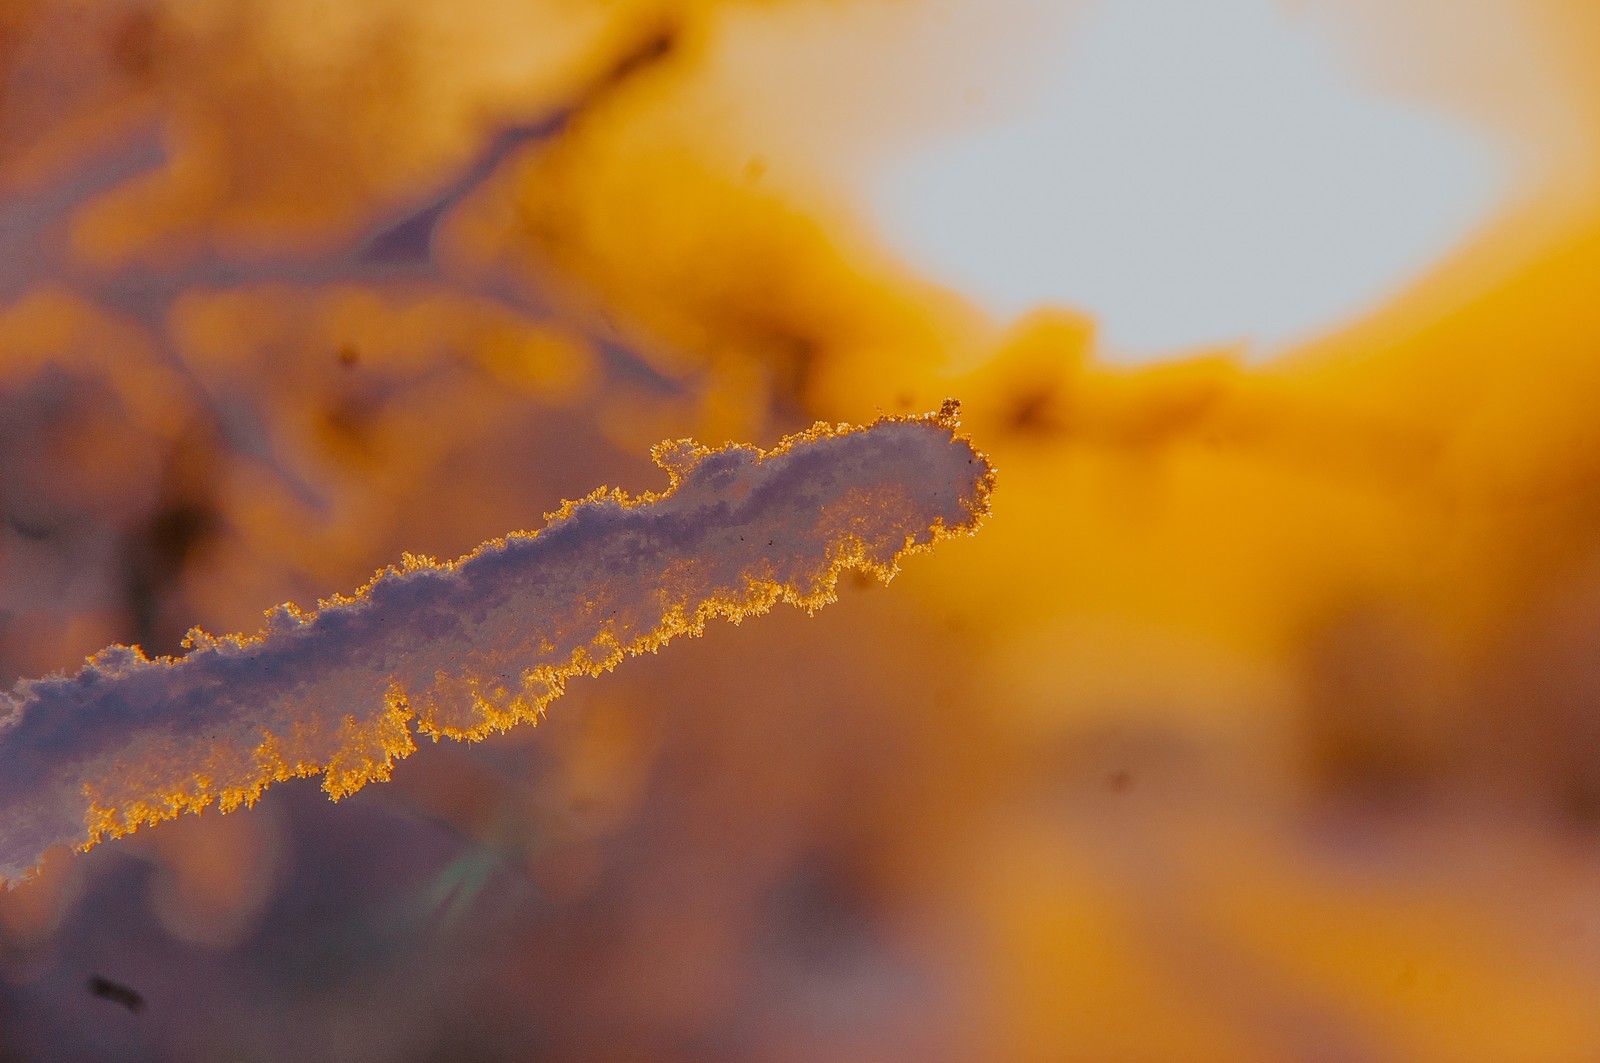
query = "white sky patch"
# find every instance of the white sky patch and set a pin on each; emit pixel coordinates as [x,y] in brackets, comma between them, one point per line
[1198,172]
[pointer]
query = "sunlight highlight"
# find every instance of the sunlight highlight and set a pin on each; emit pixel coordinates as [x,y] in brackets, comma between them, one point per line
[1195,174]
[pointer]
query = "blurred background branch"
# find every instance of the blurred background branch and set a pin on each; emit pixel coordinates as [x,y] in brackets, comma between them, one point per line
[1264,704]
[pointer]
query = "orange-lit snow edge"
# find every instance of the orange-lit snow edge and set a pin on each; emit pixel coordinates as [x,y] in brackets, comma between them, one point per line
[467,647]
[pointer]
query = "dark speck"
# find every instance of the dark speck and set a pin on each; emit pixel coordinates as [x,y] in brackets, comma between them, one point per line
[1036,412]
[37,532]
[117,993]
[1120,781]
[134,45]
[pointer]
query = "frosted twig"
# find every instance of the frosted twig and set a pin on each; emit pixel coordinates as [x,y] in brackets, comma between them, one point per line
[468,647]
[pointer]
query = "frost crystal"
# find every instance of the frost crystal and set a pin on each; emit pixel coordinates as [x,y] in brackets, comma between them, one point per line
[464,648]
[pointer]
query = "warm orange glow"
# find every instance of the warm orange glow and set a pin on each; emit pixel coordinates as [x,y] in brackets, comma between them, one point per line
[1258,724]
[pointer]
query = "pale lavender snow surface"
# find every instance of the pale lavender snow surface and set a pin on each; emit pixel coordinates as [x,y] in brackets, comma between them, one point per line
[467,648]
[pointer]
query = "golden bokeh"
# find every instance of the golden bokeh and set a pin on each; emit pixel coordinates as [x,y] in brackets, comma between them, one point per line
[1260,722]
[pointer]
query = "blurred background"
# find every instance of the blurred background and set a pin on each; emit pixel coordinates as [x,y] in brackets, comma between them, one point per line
[1260,722]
